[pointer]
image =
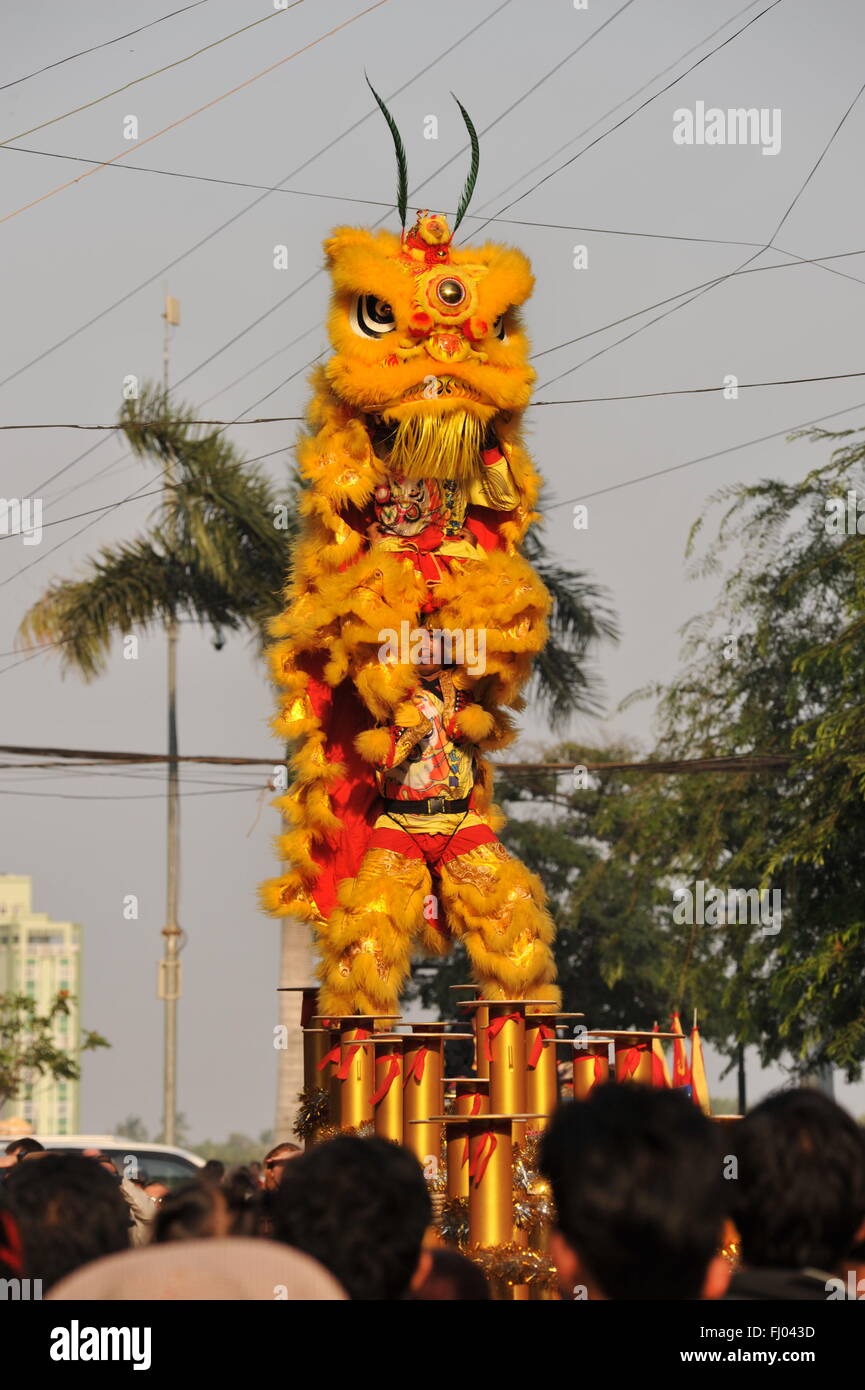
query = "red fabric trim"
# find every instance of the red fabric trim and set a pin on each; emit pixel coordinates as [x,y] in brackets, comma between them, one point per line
[420,846]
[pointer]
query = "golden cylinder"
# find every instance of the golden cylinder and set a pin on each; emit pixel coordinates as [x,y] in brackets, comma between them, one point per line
[634,1061]
[542,1078]
[423,1095]
[472,1098]
[505,1045]
[591,1068]
[316,1045]
[481,1023]
[355,1078]
[387,1110]
[491,1205]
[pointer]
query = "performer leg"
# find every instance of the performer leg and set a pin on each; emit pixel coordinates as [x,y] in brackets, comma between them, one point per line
[366,946]
[497,908]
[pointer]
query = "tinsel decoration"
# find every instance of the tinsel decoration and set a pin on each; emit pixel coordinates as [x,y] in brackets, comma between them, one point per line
[453,1222]
[312,1105]
[513,1264]
[731,1252]
[525,1215]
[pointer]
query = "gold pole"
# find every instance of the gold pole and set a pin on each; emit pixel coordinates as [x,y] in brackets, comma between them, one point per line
[356,1077]
[423,1096]
[591,1066]
[472,1099]
[542,1077]
[387,1101]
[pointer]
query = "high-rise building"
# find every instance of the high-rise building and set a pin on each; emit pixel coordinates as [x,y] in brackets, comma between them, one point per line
[39,958]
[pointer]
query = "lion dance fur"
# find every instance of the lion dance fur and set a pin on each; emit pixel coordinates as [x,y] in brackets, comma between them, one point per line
[416,494]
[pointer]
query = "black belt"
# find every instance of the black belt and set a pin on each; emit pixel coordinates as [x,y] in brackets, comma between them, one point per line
[433,806]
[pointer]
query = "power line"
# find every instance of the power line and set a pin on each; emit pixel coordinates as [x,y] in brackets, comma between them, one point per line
[631,97]
[704,458]
[379,202]
[76,516]
[96,46]
[725,763]
[533,405]
[208,105]
[46,553]
[552,174]
[715,280]
[136,81]
[701,390]
[738,270]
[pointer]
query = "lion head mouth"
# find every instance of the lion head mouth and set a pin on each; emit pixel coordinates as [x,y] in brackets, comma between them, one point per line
[442,388]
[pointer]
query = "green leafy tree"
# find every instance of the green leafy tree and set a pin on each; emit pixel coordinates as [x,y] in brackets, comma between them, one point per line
[28,1048]
[133,1127]
[778,667]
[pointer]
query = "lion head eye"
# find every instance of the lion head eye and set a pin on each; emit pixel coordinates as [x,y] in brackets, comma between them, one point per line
[371,317]
[498,329]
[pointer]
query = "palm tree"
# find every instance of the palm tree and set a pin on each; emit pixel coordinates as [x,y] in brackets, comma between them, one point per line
[216,553]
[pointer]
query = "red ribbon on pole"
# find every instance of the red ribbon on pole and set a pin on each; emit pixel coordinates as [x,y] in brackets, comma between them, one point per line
[343,1071]
[332,1056]
[493,1029]
[478,1165]
[417,1067]
[543,1034]
[475,1110]
[392,1074]
[632,1059]
[598,1069]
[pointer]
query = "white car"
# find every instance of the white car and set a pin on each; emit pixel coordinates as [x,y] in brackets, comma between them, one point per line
[133,1158]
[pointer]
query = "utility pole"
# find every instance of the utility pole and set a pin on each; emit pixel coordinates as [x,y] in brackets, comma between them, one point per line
[169,966]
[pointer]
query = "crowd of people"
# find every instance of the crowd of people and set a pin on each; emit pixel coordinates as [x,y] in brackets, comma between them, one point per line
[652,1201]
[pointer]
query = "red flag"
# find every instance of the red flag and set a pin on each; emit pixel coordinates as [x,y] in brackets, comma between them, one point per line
[681,1070]
[660,1074]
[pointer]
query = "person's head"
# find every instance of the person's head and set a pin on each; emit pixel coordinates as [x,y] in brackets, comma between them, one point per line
[213,1171]
[275,1162]
[244,1197]
[193,1211]
[360,1207]
[157,1191]
[69,1211]
[20,1148]
[798,1201]
[452,1278]
[637,1180]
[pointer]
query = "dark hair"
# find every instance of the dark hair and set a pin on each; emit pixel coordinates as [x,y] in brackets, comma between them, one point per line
[186,1213]
[69,1211]
[360,1207]
[213,1170]
[799,1198]
[285,1148]
[20,1147]
[454,1278]
[637,1181]
[243,1196]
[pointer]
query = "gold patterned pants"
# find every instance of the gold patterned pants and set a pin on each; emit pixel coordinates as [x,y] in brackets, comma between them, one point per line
[422,901]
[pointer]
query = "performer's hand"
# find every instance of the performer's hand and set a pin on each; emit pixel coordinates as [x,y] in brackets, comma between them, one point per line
[491,439]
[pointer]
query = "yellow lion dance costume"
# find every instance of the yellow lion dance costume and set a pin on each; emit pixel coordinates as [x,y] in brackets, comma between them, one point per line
[412,619]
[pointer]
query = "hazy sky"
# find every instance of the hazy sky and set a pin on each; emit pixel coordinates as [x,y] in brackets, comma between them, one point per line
[657,218]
